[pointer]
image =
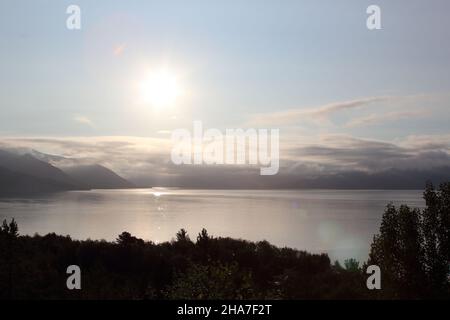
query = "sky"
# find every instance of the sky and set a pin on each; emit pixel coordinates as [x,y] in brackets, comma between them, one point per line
[344,97]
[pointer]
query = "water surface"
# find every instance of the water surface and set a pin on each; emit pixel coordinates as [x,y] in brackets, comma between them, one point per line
[339,222]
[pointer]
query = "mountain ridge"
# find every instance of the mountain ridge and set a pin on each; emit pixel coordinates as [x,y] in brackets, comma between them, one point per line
[96,176]
[24,174]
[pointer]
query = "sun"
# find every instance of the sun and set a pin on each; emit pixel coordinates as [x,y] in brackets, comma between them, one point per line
[160,89]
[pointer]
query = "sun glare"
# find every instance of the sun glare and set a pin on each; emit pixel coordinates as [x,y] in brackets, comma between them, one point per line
[160,89]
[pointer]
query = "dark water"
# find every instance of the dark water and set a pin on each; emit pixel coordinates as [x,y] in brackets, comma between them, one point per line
[341,223]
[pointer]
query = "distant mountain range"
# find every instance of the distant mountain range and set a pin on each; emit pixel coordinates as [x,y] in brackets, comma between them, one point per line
[389,179]
[25,174]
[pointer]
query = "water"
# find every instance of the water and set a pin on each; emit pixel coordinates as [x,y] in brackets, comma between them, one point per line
[340,223]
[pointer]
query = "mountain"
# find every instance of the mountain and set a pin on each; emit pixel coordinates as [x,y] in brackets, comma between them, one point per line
[389,179]
[210,178]
[28,165]
[48,158]
[97,177]
[23,174]
[15,183]
[37,175]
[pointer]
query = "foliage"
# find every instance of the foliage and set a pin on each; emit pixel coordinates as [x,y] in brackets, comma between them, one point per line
[130,268]
[215,281]
[412,248]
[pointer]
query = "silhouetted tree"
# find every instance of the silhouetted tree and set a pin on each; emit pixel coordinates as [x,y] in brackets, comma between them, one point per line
[182,236]
[215,281]
[126,239]
[351,265]
[436,233]
[203,237]
[412,248]
[8,238]
[9,230]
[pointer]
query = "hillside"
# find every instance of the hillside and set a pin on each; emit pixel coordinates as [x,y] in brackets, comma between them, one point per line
[97,177]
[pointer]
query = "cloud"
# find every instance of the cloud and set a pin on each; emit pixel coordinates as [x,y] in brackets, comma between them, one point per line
[334,153]
[84,120]
[426,142]
[147,160]
[322,114]
[123,154]
[385,117]
[294,116]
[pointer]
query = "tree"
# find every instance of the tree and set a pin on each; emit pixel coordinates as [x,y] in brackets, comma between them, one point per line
[203,237]
[213,281]
[8,237]
[436,233]
[412,248]
[126,239]
[182,236]
[351,265]
[9,230]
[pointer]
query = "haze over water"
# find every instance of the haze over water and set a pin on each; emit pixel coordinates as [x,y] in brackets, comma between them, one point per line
[339,222]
